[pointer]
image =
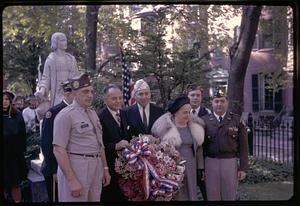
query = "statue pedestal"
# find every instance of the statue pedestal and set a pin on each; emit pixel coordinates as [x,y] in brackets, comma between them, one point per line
[37,182]
[37,187]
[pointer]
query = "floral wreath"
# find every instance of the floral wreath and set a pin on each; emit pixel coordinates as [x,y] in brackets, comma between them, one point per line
[149,171]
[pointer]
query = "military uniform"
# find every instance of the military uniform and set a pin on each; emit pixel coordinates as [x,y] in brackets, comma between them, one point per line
[79,131]
[225,142]
[49,165]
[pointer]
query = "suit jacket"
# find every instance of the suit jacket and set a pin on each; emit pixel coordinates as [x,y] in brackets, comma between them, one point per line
[134,121]
[203,111]
[112,134]
[49,165]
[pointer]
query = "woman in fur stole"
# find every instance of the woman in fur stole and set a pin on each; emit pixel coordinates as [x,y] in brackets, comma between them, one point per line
[186,133]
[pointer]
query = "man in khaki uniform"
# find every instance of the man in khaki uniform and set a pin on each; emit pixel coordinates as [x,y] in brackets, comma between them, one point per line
[78,147]
[225,142]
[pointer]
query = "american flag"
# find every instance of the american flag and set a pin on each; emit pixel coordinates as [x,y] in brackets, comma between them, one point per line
[126,80]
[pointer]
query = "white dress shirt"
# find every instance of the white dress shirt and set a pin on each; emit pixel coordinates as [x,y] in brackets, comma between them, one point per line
[147,111]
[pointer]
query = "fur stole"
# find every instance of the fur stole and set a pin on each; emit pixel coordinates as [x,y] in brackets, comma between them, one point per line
[165,129]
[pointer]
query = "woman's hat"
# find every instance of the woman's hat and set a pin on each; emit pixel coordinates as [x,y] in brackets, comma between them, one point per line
[10,94]
[176,104]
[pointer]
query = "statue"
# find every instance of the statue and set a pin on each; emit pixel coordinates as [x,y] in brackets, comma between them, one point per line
[59,67]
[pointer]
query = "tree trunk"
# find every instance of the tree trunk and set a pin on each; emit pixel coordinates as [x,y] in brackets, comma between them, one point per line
[241,56]
[91,36]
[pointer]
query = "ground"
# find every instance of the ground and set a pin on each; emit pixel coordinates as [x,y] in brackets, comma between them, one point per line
[266,191]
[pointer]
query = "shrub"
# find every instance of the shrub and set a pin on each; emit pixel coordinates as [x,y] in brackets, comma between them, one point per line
[267,171]
[33,142]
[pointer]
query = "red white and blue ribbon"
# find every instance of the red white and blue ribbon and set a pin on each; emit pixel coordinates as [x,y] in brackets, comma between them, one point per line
[136,155]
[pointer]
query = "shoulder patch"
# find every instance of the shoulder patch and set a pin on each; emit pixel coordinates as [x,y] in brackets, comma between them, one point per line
[48,115]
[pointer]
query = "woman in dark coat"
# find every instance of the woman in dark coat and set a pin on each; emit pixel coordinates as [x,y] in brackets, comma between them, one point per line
[14,146]
[186,134]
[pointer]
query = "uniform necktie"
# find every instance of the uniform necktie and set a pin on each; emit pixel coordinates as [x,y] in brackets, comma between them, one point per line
[194,111]
[220,118]
[144,118]
[118,118]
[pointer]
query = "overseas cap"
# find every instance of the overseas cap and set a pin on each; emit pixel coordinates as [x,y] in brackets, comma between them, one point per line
[219,93]
[66,86]
[80,81]
[140,85]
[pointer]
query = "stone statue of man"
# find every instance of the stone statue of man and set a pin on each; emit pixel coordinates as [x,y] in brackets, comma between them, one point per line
[59,67]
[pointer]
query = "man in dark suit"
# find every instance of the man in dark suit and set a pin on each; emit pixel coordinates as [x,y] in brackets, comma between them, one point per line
[141,116]
[49,165]
[194,92]
[114,138]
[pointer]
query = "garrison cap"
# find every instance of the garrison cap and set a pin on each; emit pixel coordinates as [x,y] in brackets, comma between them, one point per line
[219,93]
[66,86]
[140,85]
[80,81]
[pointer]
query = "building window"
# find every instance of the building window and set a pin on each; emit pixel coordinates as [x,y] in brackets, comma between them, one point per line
[264,98]
[273,101]
[278,101]
[255,99]
[268,99]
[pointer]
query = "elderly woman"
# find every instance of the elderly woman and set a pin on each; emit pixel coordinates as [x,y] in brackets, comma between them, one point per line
[14,145]
[186,134]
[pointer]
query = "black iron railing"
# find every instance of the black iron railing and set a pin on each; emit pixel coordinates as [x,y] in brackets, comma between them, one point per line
[268,141]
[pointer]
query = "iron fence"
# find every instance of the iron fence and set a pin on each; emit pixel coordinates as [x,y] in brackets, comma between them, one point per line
[272,142]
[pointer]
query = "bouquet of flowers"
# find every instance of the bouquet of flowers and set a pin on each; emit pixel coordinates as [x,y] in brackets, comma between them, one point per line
[149,171]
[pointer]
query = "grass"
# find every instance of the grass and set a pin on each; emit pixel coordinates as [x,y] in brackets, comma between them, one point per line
[266,191]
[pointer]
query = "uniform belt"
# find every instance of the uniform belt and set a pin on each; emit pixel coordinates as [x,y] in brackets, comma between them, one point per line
[222,155]
[86,155]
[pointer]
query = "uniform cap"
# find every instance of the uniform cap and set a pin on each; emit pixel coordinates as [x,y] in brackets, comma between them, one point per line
[219,93]
[177,103]
[140,85]
[66,86]
[80,81]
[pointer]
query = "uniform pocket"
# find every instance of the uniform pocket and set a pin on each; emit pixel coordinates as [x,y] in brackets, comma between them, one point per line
[233,133]
[82,127]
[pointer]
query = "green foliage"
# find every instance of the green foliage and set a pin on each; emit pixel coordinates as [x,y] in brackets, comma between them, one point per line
[26,36]
[267,171]
[276,80]
[33,142]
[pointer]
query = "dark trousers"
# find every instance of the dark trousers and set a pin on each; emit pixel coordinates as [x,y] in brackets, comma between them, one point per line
[112,192]
[49,186]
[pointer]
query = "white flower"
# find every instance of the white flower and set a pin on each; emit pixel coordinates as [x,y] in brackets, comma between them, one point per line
[159,155]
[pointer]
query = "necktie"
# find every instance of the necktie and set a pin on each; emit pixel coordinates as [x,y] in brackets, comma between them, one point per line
[118,118]
[194,111]
[220,118]
[144,118]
